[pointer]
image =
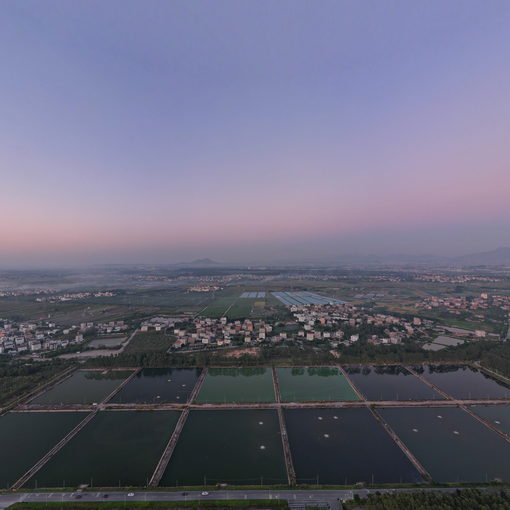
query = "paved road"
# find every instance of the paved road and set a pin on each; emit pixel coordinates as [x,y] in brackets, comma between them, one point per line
[297,498]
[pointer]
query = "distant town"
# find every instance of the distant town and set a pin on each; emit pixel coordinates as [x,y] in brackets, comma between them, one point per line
[312,318]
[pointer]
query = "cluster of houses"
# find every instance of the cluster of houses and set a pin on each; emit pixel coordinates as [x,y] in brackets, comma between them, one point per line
[28,292]
[35,336]
[445,278]
[459,305]
[105,328]
[333,324]
[330,322]
[204,288]
[59,298]
[21,338]
[202,331]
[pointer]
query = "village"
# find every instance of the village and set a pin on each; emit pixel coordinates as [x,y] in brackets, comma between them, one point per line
[37,337]
[328,324]
[331,325]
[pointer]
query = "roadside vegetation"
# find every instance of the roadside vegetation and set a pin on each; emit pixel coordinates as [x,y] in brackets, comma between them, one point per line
[493,355]
[160,505]
[467,499]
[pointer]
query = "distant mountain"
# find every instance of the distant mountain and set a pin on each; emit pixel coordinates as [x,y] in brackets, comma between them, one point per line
[498,257]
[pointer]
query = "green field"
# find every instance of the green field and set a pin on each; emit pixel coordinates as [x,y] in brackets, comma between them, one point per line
[149,341]
[218,307]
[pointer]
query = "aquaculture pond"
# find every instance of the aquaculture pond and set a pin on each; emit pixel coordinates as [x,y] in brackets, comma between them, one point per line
[84,387]
[115,448]
[498,416]
[26,437]
[465,382]
[390,383]
[451,445]
[345,446]
[302,384]
[238,447]
[237,385]
[159,385]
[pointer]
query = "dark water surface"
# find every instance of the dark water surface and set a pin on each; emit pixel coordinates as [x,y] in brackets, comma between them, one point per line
[237,385]
[464,382]
[116,447]
[159,385]
[306,384]
[390,383]
[231,446]
[344,446]
[26,437]
[452,445]
[498,415]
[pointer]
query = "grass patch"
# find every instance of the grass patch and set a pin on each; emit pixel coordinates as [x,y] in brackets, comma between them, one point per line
[149,341]
[218,307]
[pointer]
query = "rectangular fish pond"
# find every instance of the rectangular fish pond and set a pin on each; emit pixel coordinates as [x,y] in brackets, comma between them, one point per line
[26,437]
[238,447]
[450,444]
[84,387]
[464,382]
[345,446]
[249,384]
[307,384]
[116,448]
[159,385]
[390,383]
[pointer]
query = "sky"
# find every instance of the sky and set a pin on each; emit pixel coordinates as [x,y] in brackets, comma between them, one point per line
[252,131]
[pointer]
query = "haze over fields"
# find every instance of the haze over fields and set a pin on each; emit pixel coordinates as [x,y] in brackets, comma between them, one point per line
[252,132]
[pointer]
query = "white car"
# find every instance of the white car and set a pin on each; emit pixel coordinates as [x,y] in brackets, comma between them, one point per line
[205,493]
[131,494]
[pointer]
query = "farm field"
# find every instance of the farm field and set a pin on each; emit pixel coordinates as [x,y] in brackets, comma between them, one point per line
[304,298]
[149,341]
[107,342]
[218,307]
[69,313]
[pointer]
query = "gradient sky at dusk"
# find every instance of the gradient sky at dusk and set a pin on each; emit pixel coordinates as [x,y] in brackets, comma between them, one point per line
[252,131]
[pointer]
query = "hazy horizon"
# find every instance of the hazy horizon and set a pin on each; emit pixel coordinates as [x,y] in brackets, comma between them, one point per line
[250,132]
